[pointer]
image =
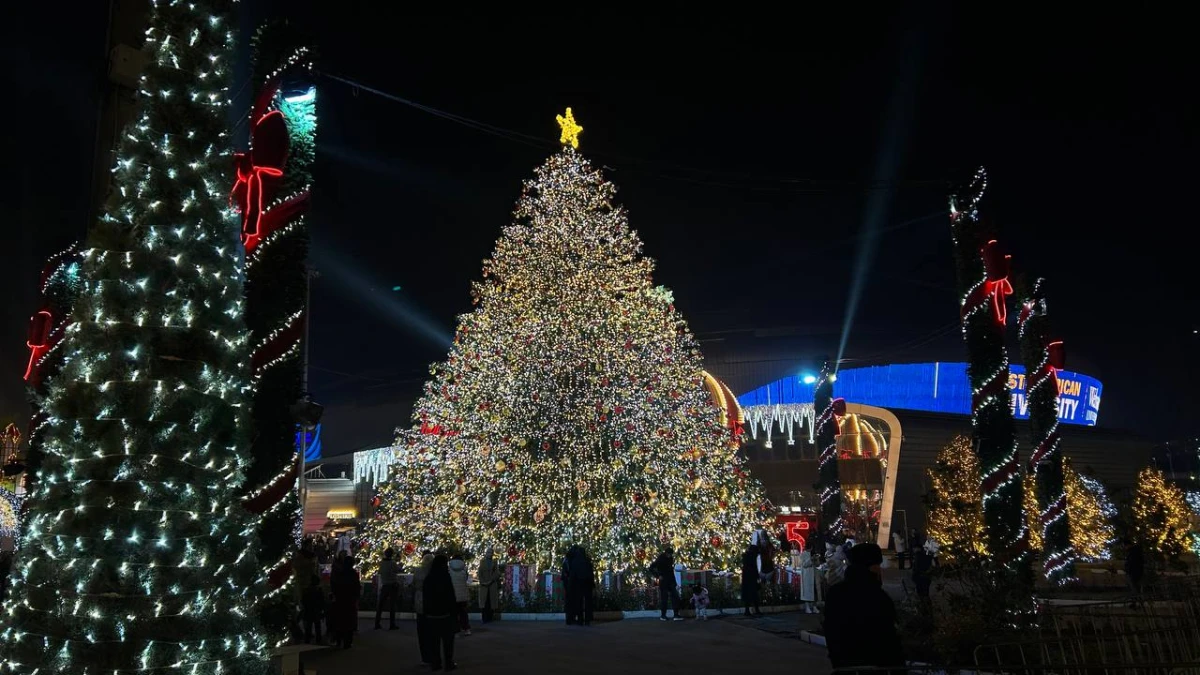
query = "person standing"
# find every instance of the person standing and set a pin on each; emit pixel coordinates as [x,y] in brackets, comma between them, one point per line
[579,583]
[1135,566]
[441,608]
[751,574]
[860,618]
[343,615]
[313,609]
[489,585]
[808,583]
[423,636]
[668,587]
[389,590]
[922,573]
[898,539]
[458,576]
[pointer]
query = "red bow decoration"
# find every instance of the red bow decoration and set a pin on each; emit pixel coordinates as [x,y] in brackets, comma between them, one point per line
[995,284]
[1057,353]
[41,325]
[996,265]
[265,160]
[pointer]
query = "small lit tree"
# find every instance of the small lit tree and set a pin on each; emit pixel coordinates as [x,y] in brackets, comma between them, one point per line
[1092,514]
[1161,517]
[954,505]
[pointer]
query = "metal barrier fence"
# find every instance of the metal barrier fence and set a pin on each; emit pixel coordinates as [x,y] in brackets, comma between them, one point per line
[1157,631]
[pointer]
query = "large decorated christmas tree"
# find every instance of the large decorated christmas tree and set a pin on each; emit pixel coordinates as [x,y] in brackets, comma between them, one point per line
[137,556]
[572,407]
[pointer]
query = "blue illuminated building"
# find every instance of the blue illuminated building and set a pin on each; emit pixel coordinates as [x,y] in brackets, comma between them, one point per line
[940,387]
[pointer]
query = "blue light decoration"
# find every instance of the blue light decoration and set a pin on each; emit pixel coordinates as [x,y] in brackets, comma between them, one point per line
[933,387]
[312,446]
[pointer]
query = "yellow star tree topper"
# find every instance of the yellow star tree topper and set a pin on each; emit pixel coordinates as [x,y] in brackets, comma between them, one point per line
[570,130]
[572,407]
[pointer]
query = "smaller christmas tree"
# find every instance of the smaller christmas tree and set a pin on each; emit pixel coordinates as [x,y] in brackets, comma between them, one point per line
[1161,517]
[829,486]
[1033,519]
[1092,514]
[954,515]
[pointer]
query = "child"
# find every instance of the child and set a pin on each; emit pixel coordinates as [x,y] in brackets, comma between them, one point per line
[458,577]
[700,601]
[312,605]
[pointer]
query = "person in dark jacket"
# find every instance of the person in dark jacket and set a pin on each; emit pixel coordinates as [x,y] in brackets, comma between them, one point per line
[664,568]
[922,574]
[312,608]
[441,612]
[1135,566]
[751,575]
[579,583]
[343,614]
[860,618]
[389,590]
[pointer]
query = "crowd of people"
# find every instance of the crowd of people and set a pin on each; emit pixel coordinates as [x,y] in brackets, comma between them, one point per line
[855,603]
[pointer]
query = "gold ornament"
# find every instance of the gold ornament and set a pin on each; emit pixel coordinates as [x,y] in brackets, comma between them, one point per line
[570,130]
[500,465]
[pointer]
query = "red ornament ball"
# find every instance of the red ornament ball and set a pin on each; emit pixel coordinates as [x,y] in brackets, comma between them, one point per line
[410,548]
[716,541]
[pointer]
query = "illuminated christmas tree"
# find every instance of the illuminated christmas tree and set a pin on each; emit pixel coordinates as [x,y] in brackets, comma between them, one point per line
[1033,518]
[1161,515]
[572,406]
[138,557]
[954,510]
[1092,513]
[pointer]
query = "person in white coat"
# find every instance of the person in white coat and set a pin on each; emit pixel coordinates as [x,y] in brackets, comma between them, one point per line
[458,577]
[808,583]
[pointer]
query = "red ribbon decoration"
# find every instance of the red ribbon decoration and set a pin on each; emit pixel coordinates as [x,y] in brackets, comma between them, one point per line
[996,265]
[265,160]
[38,339]
[995,285]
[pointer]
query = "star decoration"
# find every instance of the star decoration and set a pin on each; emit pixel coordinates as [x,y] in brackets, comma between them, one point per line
[570,130]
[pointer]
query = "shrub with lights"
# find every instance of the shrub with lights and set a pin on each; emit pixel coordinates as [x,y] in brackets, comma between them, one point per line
[1093,515]
[137,556]
[954,509]
[1162,519]
[572,406]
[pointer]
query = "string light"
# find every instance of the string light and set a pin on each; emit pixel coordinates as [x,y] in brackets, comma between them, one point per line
[571,408]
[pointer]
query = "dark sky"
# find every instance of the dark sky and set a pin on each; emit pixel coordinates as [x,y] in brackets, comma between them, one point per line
[751,148]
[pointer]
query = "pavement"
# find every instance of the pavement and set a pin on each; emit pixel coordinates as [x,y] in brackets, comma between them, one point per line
[728,644]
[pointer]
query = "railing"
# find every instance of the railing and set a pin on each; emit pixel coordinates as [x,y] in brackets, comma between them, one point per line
[1157,631]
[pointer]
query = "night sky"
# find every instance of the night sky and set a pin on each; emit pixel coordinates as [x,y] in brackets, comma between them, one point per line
[753,150]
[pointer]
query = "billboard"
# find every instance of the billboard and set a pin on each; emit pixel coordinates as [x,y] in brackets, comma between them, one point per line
[934,387]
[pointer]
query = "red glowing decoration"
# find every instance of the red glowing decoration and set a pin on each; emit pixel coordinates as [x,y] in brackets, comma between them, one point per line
[41,325]
[1057,353]
[258,168]
[716,541]
[996,285]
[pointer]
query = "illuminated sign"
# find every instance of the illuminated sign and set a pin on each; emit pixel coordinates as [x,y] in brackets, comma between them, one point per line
[342,514]
[933,387]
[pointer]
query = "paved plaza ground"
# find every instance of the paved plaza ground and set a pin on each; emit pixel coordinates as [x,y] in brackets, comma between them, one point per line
[731,644]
